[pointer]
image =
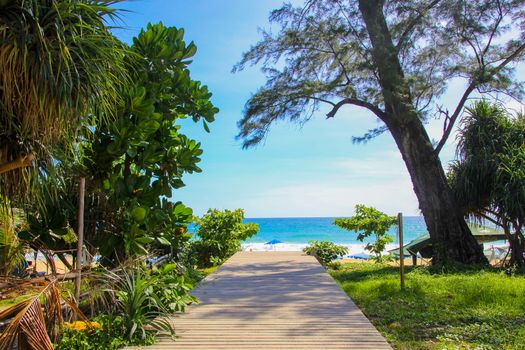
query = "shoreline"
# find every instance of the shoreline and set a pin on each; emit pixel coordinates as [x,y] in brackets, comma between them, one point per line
[353,248]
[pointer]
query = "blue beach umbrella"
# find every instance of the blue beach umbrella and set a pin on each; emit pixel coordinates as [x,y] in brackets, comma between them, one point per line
[273,241]
[362,256]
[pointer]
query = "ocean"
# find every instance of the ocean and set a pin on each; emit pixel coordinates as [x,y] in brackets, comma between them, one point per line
[295,233]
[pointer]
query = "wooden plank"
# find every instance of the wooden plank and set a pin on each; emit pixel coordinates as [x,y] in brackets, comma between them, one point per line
[271,300]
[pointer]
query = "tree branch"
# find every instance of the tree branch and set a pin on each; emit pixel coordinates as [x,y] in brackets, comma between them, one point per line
[408,30]
[356,102]
[452,119]
[473,85]
[515,54]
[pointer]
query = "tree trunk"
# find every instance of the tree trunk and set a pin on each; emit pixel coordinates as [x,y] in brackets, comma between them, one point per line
[451,238]
[517,247]
[80,238]
[64,261]
[50,261]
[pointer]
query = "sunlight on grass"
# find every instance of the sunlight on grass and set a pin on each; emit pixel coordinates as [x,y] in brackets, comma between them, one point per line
[472,309]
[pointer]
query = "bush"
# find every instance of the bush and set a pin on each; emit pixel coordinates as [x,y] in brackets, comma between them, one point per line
[172,289]
[220,234]
[325,251]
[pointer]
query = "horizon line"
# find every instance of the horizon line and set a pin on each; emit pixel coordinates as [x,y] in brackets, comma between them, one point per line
[311,217]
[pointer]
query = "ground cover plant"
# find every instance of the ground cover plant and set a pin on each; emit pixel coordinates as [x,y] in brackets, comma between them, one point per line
[457,308]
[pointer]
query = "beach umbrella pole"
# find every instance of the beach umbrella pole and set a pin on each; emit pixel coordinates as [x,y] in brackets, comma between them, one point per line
[401,254]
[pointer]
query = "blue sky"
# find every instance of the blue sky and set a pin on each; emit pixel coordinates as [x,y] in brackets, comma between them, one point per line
[300,171]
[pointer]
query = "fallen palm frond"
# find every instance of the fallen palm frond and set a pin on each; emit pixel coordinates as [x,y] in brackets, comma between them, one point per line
[37,320]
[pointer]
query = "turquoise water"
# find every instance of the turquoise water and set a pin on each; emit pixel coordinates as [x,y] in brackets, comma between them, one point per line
[302,230]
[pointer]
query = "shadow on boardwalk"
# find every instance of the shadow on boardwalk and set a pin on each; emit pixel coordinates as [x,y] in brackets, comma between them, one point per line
[272,300]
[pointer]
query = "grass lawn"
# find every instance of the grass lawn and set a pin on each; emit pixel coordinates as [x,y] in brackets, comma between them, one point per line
[467,309]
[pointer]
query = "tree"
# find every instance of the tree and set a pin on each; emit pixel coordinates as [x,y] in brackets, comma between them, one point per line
[59,67]
[488,179]
[369,221]
[134,163]
[395,59]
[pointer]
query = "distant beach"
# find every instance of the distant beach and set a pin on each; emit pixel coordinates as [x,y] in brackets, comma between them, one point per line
[295,233]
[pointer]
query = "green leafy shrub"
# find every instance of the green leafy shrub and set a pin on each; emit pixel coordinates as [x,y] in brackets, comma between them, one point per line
[369,221]
[325,251]
[220,234]
[172,289]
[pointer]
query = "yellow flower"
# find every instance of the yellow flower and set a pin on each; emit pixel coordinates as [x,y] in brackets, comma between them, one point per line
[96,325]
[83,326]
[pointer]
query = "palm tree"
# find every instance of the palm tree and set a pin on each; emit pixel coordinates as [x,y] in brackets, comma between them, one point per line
[60,66]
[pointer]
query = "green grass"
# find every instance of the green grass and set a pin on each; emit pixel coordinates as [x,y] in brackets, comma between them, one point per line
[6,303]
[461,309]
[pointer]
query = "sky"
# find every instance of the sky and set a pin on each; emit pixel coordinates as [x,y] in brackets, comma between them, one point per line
[313,170]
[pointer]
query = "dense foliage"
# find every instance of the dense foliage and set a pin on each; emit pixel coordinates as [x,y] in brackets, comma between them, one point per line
[60,68]
[102,333]
[116,124]
[395,59]
[172,288]
[325,252]
[366,222]
[138,160]
[488,179]
[451,309]
[132,295]
[220,234]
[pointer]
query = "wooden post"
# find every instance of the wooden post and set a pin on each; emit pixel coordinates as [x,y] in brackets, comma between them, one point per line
[80,237]
[401,253]
[34,262]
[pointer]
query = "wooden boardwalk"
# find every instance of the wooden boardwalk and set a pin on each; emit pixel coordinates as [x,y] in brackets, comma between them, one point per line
[272,300]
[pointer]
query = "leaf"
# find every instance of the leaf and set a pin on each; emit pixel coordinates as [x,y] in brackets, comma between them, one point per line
[61,231]
[144,240]
[25,235]
[206,128]
[163,241]
[139,213]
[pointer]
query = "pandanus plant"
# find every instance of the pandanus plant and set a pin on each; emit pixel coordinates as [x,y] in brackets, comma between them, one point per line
[60,66]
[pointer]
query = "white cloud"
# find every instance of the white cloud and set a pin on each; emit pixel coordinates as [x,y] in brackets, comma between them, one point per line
[325,199]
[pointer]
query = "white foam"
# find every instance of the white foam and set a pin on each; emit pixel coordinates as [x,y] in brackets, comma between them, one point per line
[257,247]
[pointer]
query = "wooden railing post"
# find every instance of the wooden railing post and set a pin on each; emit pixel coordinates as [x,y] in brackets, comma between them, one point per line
[401,253]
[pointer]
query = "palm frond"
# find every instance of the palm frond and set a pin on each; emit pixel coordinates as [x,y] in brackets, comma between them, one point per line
[60,67]
[37,320]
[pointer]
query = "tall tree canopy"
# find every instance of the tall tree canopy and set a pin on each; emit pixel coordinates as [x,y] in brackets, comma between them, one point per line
[488,179]
[394,58]
[134,163]
[59,66]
